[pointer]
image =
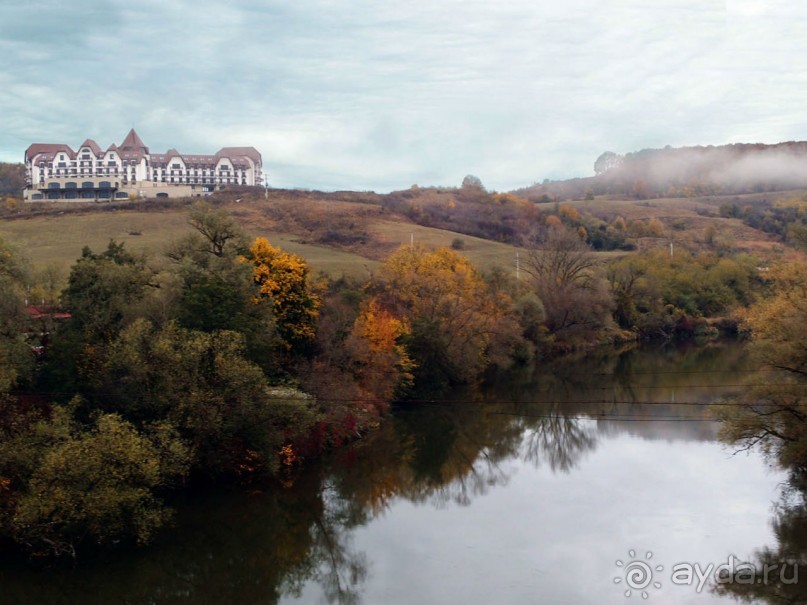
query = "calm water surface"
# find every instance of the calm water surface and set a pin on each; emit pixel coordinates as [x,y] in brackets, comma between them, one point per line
[526,492]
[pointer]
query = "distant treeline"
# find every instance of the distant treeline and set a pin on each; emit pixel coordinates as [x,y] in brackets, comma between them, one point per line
[12,179]
[686,172]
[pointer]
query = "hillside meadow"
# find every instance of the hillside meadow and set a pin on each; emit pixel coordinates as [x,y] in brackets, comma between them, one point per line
[348,234]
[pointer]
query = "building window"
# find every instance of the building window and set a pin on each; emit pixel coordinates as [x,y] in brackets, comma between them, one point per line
[87,185]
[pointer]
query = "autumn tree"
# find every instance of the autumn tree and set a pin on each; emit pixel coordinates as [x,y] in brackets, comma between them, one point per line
[283,281]
[449,308]
[382,363]
[773,416]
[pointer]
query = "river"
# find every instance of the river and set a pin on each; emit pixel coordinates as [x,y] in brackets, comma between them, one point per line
[549,486]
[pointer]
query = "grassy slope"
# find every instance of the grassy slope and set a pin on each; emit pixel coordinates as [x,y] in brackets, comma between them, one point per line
[58,238]
[483,253]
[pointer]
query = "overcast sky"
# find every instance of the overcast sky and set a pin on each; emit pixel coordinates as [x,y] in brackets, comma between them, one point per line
[374,94]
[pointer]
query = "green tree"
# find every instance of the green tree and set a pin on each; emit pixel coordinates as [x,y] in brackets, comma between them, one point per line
[101,290]
[202,384]
[608,160]
[16,359]
[216,289]
[95,484]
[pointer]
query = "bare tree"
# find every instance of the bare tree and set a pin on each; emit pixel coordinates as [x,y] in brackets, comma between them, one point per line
[564,273]
[560,257]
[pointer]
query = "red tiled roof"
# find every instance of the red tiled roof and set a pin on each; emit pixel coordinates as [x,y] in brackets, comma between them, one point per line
[48,148]
[133,142]
[92,145]
[43,311]
[236,152]
[133,148]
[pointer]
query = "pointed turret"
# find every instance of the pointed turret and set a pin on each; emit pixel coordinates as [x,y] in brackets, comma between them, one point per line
[134,143]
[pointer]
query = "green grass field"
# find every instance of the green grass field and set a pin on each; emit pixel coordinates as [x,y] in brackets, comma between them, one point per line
[58,240]
[481,252]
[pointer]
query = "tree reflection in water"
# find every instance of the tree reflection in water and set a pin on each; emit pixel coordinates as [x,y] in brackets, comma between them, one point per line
[790,528]
[258,548]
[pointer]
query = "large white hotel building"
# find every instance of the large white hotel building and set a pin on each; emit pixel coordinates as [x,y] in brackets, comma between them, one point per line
[56,172]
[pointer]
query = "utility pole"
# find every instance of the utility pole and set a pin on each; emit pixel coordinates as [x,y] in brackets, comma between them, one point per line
[518,267]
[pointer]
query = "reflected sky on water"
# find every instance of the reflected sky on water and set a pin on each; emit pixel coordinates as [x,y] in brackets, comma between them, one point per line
[526,491]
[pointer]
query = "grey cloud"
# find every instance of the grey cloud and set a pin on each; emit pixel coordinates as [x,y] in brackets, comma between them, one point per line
[363,94]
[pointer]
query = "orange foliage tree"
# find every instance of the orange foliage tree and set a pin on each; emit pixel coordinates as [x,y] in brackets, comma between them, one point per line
[374,342]
[282,279]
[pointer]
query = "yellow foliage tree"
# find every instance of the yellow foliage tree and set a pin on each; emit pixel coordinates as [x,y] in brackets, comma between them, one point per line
[448,305]
[282,279]
[774,414]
